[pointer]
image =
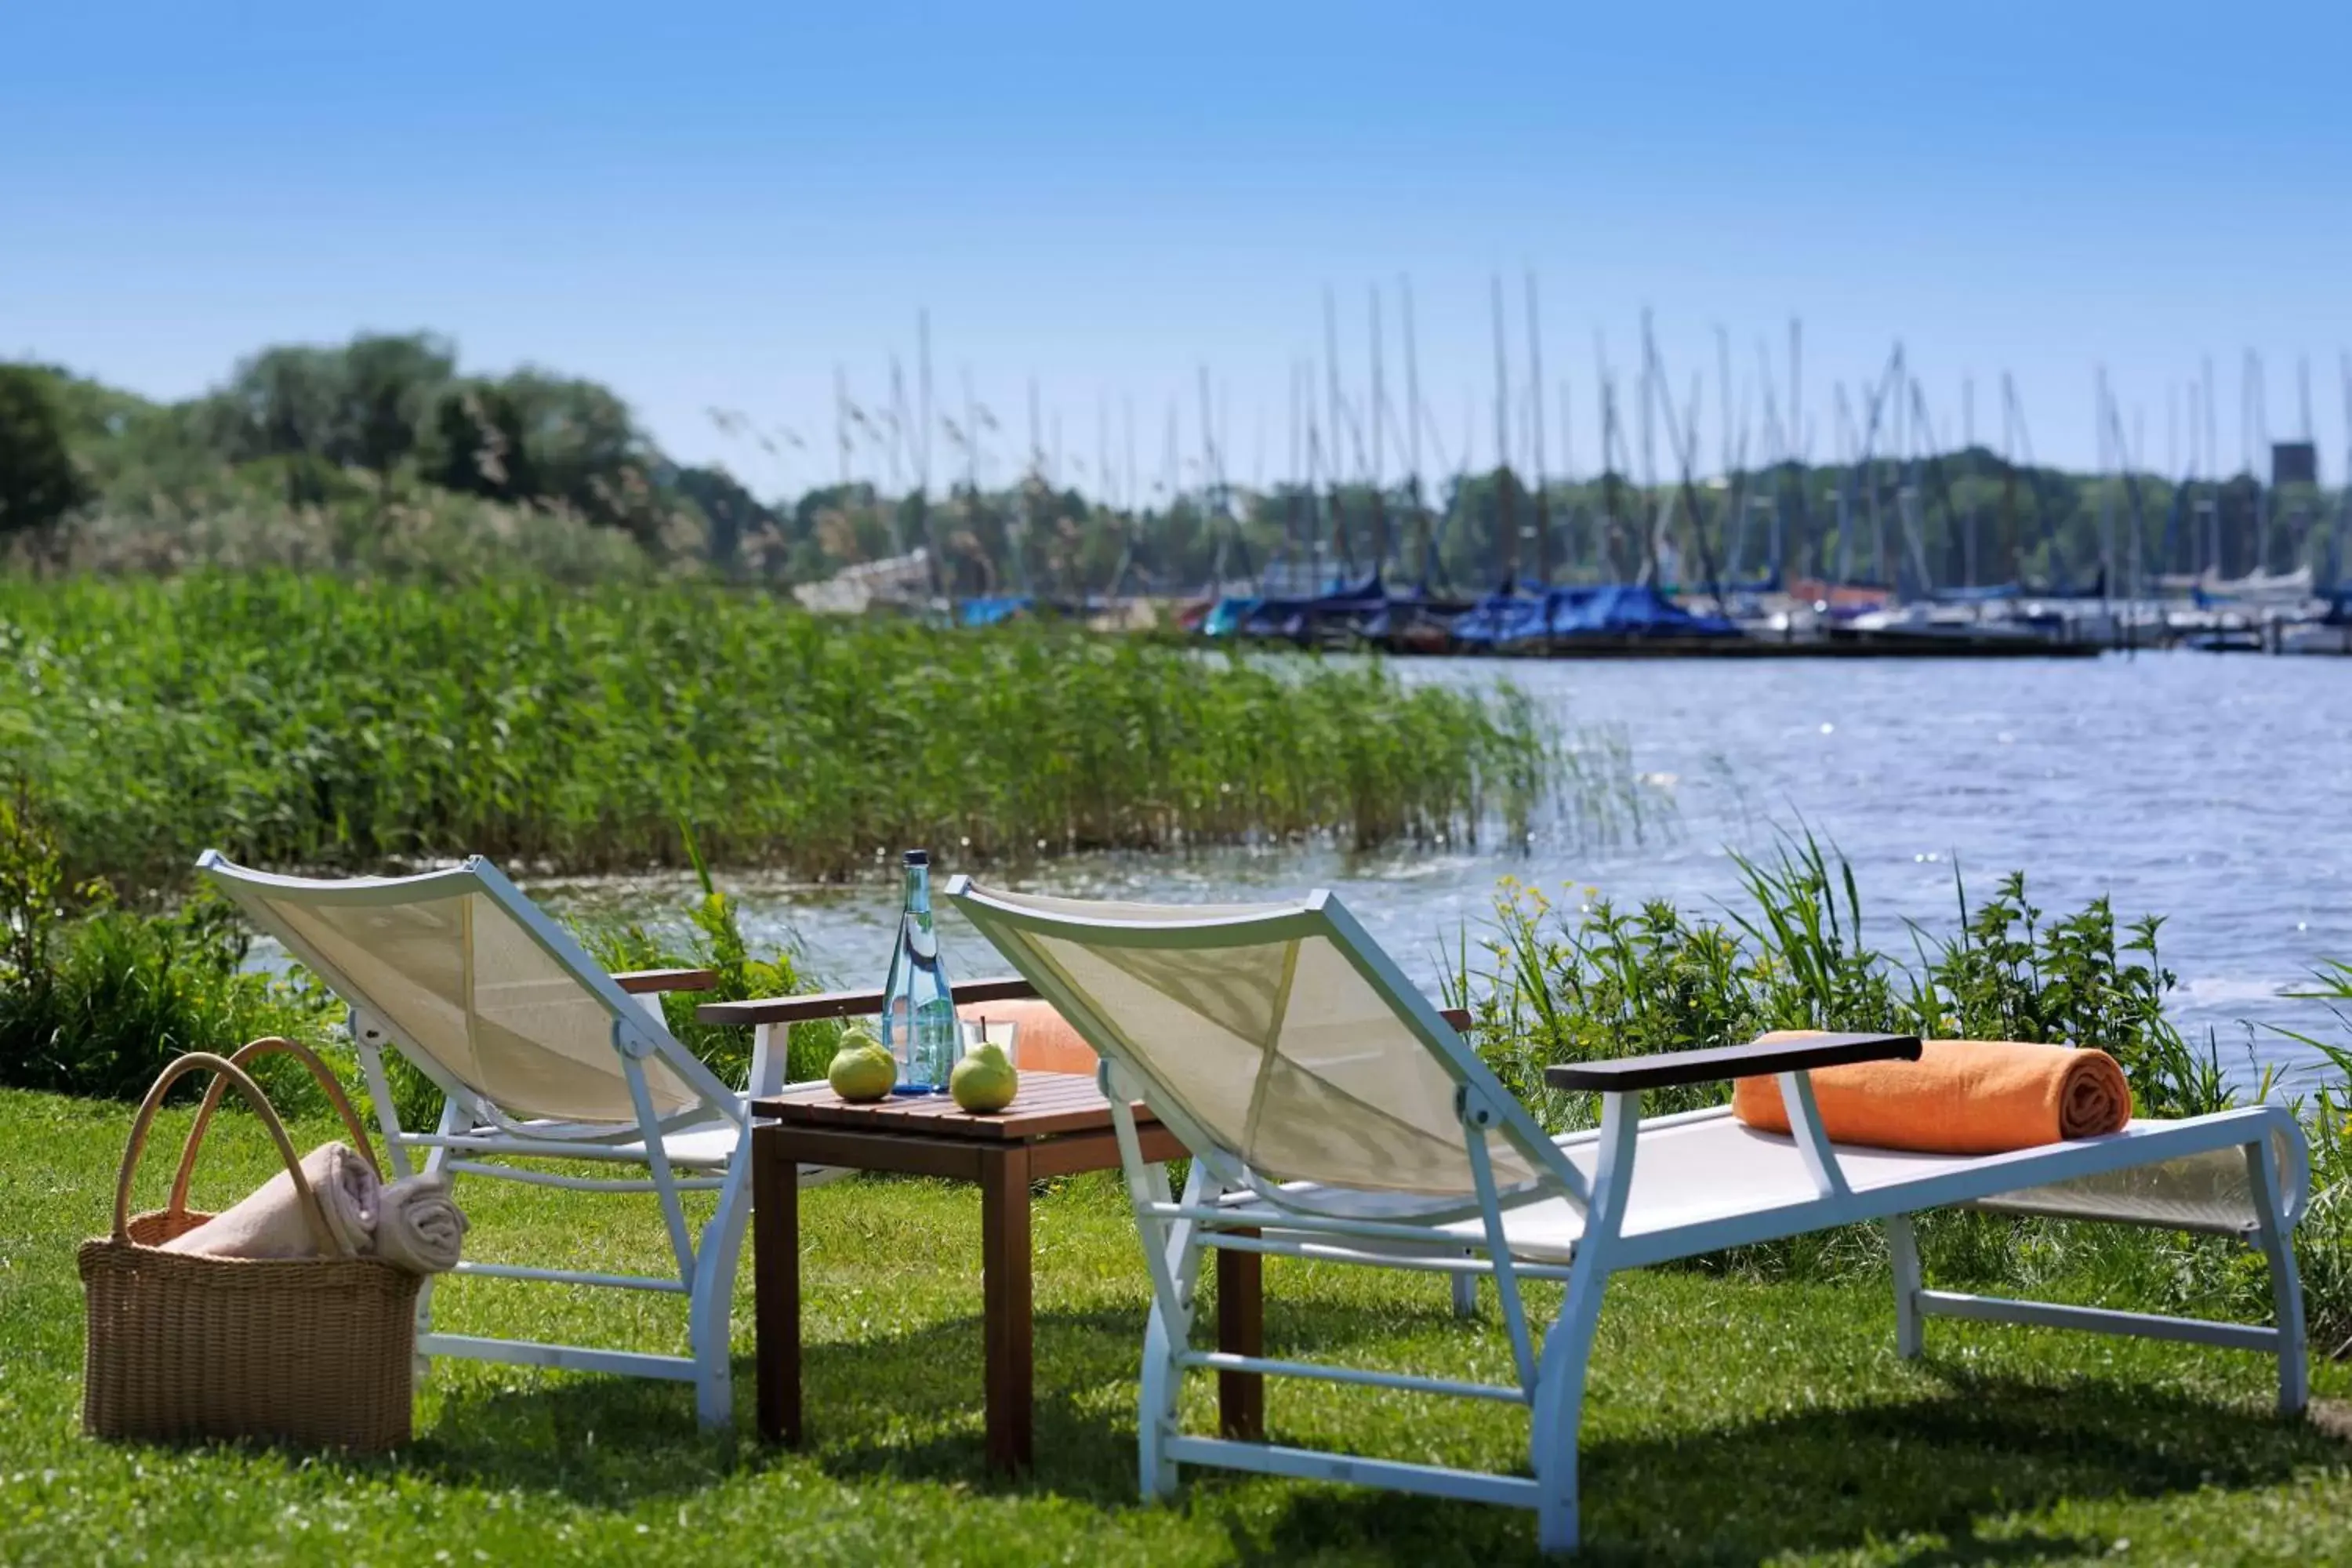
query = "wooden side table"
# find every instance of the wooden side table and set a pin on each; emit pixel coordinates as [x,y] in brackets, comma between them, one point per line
[1058,1125]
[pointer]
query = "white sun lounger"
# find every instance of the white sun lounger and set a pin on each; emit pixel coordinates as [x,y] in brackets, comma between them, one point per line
[541,1055]
[1332,1111]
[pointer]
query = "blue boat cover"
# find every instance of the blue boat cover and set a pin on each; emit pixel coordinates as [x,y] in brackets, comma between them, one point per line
[1225,616]
[993,611]
[1608,609]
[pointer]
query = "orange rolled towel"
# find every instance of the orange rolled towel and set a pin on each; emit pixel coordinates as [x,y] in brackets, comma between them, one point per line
[1961,1097]
[1043,1040]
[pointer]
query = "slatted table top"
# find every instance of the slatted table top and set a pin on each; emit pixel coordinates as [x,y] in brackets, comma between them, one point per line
[1049,1104]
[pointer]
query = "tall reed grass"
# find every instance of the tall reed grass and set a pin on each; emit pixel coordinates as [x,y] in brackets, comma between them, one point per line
[312,720]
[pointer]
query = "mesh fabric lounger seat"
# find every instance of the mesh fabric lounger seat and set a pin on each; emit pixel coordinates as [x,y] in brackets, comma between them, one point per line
[1333,1113]
[541,1055]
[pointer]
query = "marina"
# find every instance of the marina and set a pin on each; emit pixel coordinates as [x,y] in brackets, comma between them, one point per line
[1883,526]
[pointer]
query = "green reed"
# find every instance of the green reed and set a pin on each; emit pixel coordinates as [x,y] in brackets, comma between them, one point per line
[311,720]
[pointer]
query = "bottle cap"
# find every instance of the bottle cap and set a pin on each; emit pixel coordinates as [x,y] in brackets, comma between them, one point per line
[918,858]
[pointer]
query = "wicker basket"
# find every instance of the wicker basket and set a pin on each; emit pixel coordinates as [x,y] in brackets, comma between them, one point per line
[317,1352]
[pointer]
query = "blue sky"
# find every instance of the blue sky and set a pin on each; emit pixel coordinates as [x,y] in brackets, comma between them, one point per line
[713,205]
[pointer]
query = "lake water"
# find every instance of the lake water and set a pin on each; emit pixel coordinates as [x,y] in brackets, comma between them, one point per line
[2205,788]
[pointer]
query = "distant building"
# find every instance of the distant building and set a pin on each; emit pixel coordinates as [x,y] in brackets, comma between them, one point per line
[853,589]
[2293,463]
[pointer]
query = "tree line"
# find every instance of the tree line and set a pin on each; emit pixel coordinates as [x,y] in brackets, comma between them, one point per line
[343,431]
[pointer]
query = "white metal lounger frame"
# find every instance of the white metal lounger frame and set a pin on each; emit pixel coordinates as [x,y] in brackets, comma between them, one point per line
[1224,1198]
[472,1127]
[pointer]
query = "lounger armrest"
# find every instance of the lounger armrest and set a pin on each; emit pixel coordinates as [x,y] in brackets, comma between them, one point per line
[652,981]
[1758,1058]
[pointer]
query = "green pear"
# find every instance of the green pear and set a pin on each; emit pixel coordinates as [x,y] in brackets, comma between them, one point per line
[984,1079]
[862,1069]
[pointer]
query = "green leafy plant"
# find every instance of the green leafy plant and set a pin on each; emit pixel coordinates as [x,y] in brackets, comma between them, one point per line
[95,998]
[716,942]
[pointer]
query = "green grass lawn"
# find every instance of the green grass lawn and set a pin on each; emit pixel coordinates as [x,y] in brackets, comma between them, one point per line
[1728,1421]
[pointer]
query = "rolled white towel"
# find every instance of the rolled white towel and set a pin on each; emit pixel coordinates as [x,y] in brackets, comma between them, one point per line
[418,1226]
[270,1223]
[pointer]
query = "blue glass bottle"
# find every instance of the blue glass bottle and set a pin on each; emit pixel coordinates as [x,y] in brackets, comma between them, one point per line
[918,1015]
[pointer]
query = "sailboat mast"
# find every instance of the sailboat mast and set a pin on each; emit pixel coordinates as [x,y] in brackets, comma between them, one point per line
[897,451]
[2011,534]
[1340,546]
[939,583]
[841,422]
[1030,489]
[1657,513]
[1798,442]
[1775,460]
[1171,481]
[1609,529]
[2250,419]
[1571,557]
[1845,488]
[1536,425]
[1421,562]
[1506,534]
[1290,491]
[1649,398]
[1798,447]
[1127,490]
[1723,393]
[971,468]
[2343,536]
[1379,419]
[1967,445]
[2110,441]
[1738,493]
[1211,491]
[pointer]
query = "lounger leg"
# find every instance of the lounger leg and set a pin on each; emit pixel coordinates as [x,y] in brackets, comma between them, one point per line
[1903,1251]
[2286,1284]
[1466,1296]
[711,1308]
[1168,1330]
[1568,1349]
[1559,1407]
[453,1121]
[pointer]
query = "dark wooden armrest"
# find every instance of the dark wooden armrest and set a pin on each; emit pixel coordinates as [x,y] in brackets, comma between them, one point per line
[1758,1058]
[645,982]
[865,1004]
[1457,1016]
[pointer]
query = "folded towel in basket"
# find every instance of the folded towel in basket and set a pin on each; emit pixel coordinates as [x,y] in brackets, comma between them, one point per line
[269,1221]
[1961,1097]
[417,1226]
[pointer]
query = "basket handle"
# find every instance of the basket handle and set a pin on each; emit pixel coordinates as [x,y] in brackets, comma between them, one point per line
[329,1246]
[269,1044]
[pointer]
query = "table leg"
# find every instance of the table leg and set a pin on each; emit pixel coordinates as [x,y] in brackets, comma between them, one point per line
[1005,1291]
[1241,1331]
[776,1283]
